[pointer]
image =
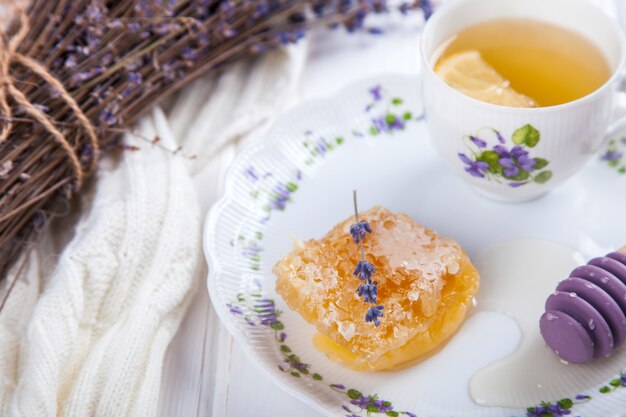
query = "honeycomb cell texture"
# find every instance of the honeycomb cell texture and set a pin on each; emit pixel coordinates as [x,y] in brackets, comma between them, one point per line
[426,284]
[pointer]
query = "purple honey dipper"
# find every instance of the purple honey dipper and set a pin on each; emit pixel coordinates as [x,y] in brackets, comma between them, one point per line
[586,317]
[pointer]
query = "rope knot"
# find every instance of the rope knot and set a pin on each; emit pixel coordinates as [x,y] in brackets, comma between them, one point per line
[9,55]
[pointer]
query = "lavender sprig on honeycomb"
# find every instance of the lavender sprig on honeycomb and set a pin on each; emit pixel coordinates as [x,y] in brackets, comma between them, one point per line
[364,270]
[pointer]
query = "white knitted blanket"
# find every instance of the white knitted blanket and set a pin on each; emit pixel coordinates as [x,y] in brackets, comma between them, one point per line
[85,330]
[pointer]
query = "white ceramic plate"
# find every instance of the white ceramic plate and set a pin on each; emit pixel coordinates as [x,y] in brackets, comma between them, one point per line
[297,181]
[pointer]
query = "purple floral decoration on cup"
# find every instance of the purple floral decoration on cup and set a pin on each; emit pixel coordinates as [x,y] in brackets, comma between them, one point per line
[499,162]
[615,155]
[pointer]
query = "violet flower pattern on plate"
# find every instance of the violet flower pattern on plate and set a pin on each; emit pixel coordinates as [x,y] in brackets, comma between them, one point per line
[271,194]
[389,113]
[509,161]
[257,310]
[505,161]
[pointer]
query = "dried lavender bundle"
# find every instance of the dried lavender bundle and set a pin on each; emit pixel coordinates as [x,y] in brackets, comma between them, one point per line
[77,72]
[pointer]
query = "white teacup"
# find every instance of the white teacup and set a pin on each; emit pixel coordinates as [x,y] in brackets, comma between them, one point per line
[560,139]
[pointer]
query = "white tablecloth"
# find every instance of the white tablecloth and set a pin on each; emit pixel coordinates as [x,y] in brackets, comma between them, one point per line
[206,373]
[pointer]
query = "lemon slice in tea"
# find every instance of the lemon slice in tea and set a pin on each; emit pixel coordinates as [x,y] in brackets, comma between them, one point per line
[470,74]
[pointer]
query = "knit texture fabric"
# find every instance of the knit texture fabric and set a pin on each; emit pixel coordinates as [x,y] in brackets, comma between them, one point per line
[108,311]
[85,329]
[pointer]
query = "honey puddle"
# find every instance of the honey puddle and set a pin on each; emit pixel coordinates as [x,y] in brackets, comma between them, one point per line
[516,278]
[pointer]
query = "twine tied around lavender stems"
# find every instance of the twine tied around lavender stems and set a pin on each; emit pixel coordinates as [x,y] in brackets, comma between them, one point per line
[117,59]
[8,56]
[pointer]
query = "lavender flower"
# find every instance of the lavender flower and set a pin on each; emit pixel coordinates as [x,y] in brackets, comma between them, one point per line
[70,62]
[115,24]
[427,8]
[134,79]
[86,151]
[360,230]
[368,292]
[134,27]
[364,270]
[108,116]
[190,54]
[119,58]
[168,72]
[373,313]
[424,5]
[405,8]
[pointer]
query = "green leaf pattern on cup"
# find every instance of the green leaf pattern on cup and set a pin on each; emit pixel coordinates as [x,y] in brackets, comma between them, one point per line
[501,163]
[526,135]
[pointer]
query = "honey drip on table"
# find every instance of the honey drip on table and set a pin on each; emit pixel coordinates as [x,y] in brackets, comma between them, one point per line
[516,278]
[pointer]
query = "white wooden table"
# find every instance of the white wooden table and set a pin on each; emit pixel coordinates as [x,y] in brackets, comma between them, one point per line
[206,373]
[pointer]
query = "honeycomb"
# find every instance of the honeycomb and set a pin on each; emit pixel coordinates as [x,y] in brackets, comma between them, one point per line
[425,282]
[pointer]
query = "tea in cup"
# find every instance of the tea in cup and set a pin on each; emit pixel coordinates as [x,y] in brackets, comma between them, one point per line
[518,95]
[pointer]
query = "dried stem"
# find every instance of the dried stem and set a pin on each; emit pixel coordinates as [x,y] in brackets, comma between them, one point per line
[116,58]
